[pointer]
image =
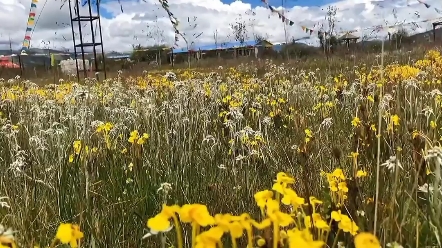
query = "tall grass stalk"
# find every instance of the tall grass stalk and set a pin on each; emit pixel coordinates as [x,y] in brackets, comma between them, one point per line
[379,128]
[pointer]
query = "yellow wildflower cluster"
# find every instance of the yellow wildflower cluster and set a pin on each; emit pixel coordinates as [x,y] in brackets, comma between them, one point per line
[80,152]
[432,62]
[393,122]
[105,128]
[338,186]
[135,138]
[399,73]
[291,228]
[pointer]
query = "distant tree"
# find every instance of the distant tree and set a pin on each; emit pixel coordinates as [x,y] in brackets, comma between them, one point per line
[155,33]
[327,32]
[398,36]
[191,36]
[298,50]
[239,30]
[258,37]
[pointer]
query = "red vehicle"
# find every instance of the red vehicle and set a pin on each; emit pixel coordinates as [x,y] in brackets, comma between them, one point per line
[6,62]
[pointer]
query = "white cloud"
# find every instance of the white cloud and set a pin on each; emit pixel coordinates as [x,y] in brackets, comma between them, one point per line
[125,29]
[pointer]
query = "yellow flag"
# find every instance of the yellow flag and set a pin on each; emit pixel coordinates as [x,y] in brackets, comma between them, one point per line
[52,59]
[30,22]
[35,1]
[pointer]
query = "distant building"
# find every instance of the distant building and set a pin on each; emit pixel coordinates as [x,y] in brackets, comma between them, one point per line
[223,46]
[235,48]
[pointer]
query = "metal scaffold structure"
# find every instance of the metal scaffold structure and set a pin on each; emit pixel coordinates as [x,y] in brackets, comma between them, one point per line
[96,43]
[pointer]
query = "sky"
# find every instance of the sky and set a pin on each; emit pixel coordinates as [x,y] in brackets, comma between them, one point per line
[145,22]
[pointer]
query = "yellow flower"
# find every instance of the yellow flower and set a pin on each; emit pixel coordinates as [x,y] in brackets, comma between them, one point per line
[281,182]
[134,136]
[433,124]
[291,198]
[261,197]
[77,146]
[283,219]
[71,158]
[159,223]
[308,135]
[261,225]
[197,213]
[209,238]
[69,234]
[315,220]
[395,120]
[333,185]
[260,242]
[373,127]
[104,127]
[347,225]
[304,239]
[236,229]
[336,215]
[338,173]
[356,122]
[143,139]
[314,201]
[361,173]
[366,240]
[342,186]
[282,177]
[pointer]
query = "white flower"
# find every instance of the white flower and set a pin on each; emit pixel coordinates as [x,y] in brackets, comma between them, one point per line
[327,122]
[3,203]
[165,187]
[394,245]
[222,167]
[392,163]
[240,157]
[426,188]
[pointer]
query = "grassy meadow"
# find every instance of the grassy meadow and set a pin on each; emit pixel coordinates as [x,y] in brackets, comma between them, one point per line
[311,155]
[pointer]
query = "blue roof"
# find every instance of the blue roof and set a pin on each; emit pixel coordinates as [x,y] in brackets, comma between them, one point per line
[225,45]
[122,56]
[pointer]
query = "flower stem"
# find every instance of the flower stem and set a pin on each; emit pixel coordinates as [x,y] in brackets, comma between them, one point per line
[178,231]
[249,237]
[234,245]
[336,239]
[194,233]
[276,226]
[328,232]
[54,242]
